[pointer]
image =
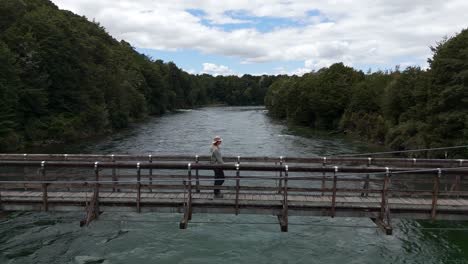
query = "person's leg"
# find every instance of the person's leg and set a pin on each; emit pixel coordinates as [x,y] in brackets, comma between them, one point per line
[216,182]
[219,174]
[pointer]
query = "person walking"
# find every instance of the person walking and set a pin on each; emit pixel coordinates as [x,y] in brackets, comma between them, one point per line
[216,158]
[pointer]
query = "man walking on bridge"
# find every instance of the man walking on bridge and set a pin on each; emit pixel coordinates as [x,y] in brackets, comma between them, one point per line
[216,158]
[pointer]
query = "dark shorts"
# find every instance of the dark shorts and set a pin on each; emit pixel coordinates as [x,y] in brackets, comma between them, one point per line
[219,174]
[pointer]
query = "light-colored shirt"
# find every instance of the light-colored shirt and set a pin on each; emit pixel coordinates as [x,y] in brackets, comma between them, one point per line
[216,156]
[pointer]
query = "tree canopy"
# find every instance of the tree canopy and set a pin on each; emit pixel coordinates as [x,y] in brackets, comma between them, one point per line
[408,109]
[63,78]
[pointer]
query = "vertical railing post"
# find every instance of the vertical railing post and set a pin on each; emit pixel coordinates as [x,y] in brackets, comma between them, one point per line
[237,187]
[435,193]
[65,158]
[384,199]
[93,208]
[187,201]
[280,184]
[138,187]
[25,157]
[458,180]
[334,192]
[445,182]
[196,175]
[189,167]
[114,175]
[324,164]
[365,188]
[150,160]
[283,216]
[96,190]
[44,187]
[285,188]
[384,219]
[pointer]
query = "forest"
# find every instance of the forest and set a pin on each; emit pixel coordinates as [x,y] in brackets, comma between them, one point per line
[64,78]
[402,109]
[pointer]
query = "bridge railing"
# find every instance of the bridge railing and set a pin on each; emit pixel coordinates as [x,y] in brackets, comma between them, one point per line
[277,183]
[311,180]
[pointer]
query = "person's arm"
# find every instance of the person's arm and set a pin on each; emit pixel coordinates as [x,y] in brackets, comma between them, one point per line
[218,157]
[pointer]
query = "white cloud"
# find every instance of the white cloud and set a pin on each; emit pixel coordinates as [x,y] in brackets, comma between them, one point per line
[355,32]
[190,71]
[215,69]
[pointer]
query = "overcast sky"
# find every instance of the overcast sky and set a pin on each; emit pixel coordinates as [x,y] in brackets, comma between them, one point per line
[278,36]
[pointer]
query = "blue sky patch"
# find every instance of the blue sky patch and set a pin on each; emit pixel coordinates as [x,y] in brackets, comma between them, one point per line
[261,24]
[196,12]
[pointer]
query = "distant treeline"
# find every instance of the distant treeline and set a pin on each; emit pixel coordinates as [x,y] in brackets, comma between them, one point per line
[408,109]
[64,78]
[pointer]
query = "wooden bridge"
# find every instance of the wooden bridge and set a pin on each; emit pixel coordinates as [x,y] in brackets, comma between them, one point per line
[377,188]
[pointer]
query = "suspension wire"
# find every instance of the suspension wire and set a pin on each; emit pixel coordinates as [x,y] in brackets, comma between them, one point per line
[386,152]
[401,172]
[395,152]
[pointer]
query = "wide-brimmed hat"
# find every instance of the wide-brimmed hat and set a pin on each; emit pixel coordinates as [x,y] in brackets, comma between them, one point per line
[217,139]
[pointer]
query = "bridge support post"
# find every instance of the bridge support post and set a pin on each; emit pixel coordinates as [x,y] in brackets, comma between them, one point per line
[93,208]
[283,217]
[188,201]
[384,219]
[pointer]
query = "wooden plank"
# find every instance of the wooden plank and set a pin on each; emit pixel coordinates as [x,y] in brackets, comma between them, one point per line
[443,202]
[456,202]
[104,194]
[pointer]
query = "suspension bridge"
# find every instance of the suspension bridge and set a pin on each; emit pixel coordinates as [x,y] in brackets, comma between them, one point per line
[339,186]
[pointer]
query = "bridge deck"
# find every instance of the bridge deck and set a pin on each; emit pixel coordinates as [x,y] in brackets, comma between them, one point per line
[268,203]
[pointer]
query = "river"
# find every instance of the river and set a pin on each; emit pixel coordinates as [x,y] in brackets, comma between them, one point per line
[37,237]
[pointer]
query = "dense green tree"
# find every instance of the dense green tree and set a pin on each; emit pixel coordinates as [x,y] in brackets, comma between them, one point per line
[9,85]
[407,109]
[65,78]
[448,102]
